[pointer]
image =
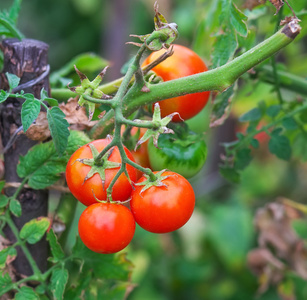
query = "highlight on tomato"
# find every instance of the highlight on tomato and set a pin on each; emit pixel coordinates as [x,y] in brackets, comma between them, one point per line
[165,208]
[106,227]
[182,63]
[87,188]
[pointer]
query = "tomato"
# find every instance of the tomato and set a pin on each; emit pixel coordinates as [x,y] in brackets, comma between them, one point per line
[183,152]
[162,209]
[85,190]
[183,62]
[106,227]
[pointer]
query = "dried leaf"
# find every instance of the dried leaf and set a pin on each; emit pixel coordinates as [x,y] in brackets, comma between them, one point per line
[251,4]
[278,4]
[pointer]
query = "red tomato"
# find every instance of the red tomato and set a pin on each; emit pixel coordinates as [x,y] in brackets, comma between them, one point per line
[163,209]
[106,227]
[86,190]
[183,62]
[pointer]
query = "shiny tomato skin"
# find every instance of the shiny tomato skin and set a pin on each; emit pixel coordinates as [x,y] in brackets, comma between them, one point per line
[86,190]
[106,227]
[163,209]
[182,63]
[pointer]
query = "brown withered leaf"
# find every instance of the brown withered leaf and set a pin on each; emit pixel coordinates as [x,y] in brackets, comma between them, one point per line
[280,249]
[77,118]
[278,4]
[76,115]
[251,4]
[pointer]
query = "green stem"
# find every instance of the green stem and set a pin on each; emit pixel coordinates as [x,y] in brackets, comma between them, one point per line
[36,271]
[218,79]
[12,29]
[286,80]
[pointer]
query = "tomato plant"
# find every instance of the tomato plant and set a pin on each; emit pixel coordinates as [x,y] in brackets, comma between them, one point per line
[106,227]
[184,153]
[162,209]
[183,62]
[87,188]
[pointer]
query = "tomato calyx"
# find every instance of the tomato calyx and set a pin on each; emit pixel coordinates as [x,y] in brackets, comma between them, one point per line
[159,126]
[100,166]
[89,88]
[149,181]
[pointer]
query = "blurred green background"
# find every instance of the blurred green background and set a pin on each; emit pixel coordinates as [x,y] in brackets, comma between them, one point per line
[206,259]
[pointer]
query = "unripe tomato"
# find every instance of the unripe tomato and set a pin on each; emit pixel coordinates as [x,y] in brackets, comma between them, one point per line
[86,189]
[162,209]
[106,227]
[182,63]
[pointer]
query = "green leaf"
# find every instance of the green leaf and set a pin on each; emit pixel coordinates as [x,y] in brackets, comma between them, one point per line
[255,143]
[29,112]
[34,230]
[4,200]
[273,110]
[243,158]
[5,253]
[59,280]
[254,114]
[289,123]
[230,174]
[56,249]
[238,19]
[14,10]
[13,80]
[224,48]
[107,266]
[3,96]
[58,126]
[5,280]
[280,146]
[2,184]
[15,207]
[221,107]
[43,166]
[50,101]
[26,292]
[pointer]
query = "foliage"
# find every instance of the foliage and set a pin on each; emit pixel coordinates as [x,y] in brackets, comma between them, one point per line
[205,259]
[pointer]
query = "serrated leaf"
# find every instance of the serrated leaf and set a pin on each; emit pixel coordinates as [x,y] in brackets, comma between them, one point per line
[5,253]
[4,200]
[289,123]
[238,19]
[14,10]
[29,112]
[224,48]
[3,96]
[58,282]
[34,230]
[26,292]
[56,249]
[110,266]
[273,110]
[58,126]
[251,116]
[230,174]
[15,207]
[5,280]
[243,158]
[280,146]
[43,166]
[13,80]
[221,107]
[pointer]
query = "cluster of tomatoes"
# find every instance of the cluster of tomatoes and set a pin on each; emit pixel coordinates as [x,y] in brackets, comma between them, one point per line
[158,207]
[108,227]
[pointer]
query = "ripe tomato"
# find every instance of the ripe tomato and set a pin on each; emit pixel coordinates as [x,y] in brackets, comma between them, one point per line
[183,62]
[162,209]
[86,190]
[106,227]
